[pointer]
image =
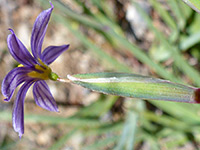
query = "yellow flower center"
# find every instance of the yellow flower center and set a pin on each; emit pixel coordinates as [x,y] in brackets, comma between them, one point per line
[43,72]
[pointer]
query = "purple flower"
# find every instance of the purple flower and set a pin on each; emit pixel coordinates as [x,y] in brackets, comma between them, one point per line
[33,69]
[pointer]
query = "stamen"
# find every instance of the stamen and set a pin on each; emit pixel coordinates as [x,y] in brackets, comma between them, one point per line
[42,71]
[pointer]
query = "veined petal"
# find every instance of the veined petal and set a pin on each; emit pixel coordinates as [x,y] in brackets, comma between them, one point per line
[39,30]
[14,78]
[52,52]
[19,51]
[18,109]
[43,96]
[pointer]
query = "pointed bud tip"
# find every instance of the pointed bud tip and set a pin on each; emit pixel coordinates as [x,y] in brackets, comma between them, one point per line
[20,135]
[11,30]
[6,99]
[51,4]
[197,95]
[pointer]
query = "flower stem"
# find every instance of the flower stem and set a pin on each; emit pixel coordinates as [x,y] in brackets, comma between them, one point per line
[63,80]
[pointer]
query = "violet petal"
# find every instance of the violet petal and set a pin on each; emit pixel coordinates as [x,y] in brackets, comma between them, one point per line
[18,109]
[19,51]
[14,78]
[43,96]
[39,30]
[52,52]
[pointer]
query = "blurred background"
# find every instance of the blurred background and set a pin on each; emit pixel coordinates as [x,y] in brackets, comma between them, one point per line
[158,38]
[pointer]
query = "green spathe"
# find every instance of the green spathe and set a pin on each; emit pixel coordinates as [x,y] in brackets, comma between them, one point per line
[135,86]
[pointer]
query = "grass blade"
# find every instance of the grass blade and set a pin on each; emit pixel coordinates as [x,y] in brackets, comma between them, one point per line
[59,144]
[128,133]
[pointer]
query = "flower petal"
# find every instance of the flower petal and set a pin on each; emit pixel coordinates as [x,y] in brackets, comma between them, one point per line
[19,51]
[52,52]
[43,96]
[39,30]
[14,78]
[18,109]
